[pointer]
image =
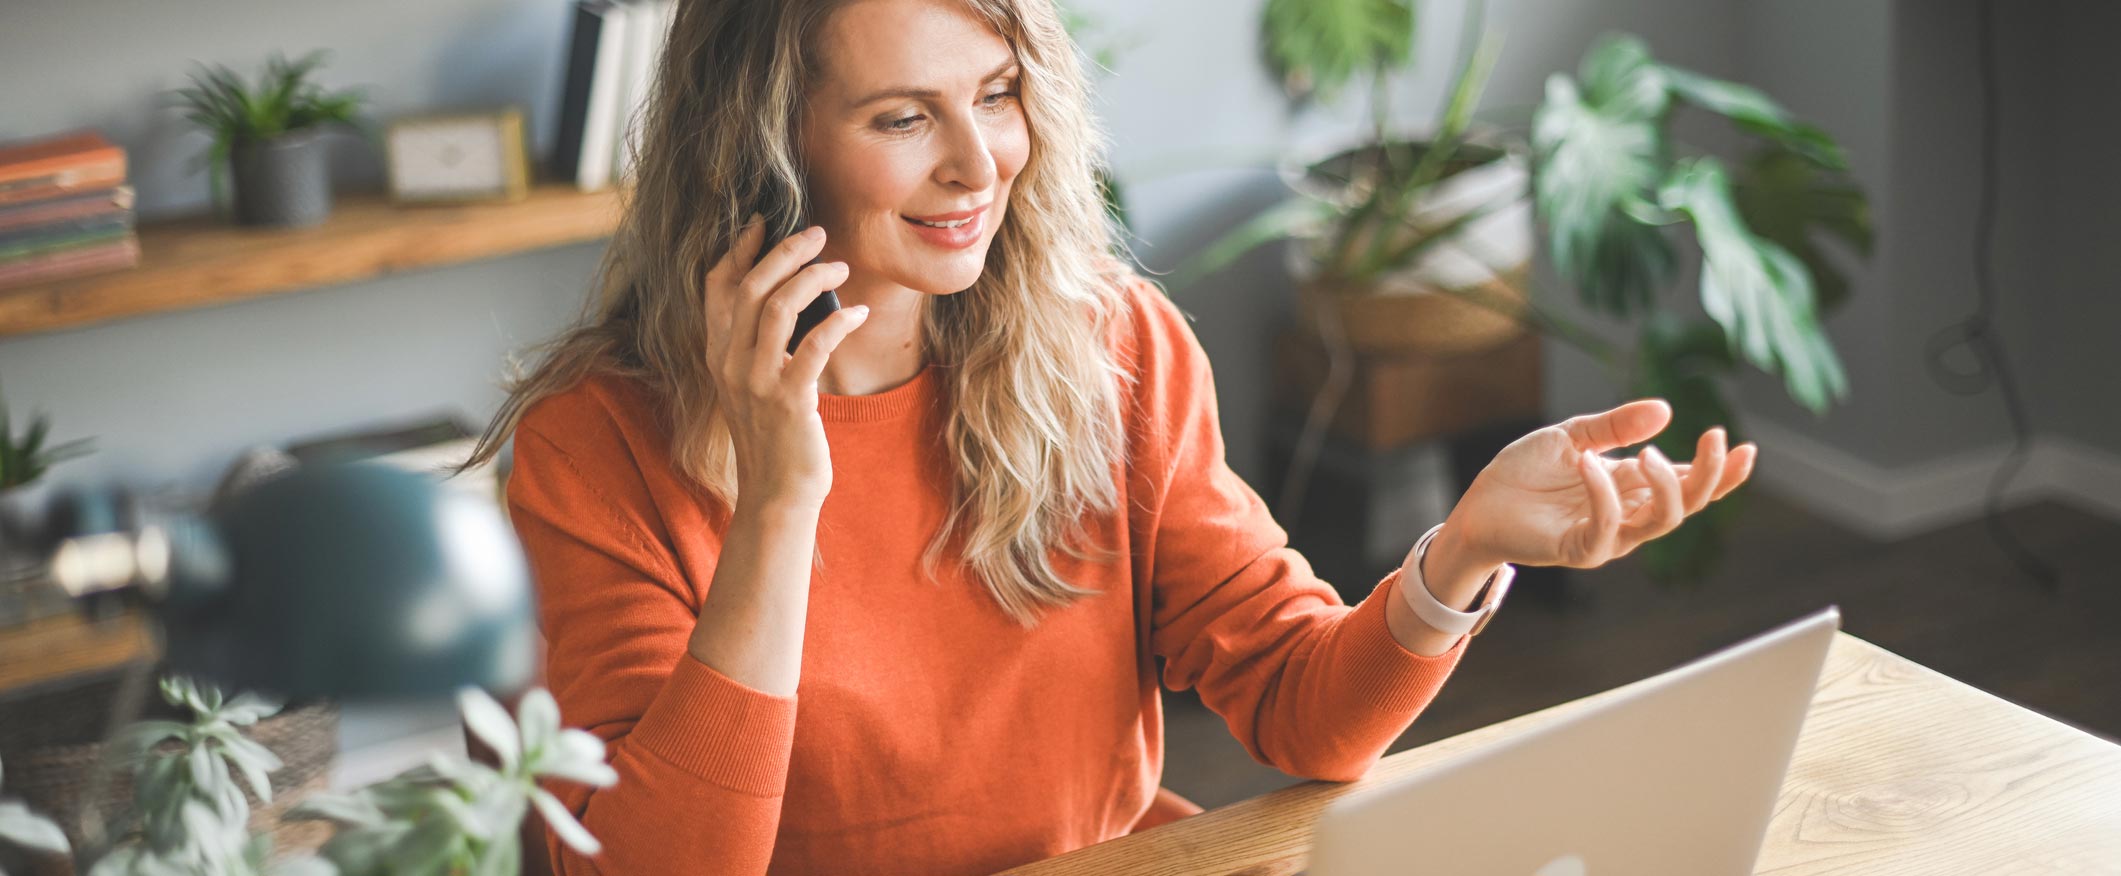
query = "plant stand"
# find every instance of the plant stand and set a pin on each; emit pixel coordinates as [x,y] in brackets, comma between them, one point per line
[1398,400]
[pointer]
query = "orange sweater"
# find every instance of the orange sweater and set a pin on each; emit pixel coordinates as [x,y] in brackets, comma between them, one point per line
[929,733]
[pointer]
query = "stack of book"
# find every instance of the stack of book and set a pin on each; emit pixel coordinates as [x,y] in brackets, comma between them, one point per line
[65,209]
[611,64]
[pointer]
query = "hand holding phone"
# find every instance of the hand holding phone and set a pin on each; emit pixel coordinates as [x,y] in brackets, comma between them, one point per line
[813,313]
[753,294]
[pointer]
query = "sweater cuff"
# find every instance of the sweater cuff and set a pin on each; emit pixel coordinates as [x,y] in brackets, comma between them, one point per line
[1385,672]
[720,730]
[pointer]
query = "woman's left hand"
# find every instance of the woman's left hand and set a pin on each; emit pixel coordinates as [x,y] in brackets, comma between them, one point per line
[1552,499]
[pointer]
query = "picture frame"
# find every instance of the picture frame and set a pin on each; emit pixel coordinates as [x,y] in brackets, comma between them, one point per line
[454,158]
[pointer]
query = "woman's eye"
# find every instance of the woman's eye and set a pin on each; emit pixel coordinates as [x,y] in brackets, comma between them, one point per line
[990,102]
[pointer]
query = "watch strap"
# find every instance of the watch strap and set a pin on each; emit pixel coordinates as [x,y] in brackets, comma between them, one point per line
[1451,621]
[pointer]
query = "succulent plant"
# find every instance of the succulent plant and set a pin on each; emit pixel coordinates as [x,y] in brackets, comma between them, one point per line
[458,817]
[450,816]
[27,830]
[189,815]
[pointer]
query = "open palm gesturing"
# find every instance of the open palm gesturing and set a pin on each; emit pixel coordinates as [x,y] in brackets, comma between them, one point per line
[1551,498]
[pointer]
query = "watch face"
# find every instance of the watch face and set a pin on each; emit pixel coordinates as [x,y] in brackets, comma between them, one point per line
[461,157]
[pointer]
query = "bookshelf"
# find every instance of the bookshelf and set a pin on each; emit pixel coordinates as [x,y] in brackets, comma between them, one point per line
[202,262]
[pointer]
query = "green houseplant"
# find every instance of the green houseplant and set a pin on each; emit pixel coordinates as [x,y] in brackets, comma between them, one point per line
[24,458]
[190,815]
[22,829]
[271,135]
[1610,189]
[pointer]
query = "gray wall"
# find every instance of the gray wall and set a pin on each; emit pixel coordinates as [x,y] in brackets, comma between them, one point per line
[1898,85]
[2067,311]
[1831,63]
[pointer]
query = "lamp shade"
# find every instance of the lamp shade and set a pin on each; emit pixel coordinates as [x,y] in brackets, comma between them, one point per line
[351,580]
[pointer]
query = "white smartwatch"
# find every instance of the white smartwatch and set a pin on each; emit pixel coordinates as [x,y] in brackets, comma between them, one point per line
[1447,619]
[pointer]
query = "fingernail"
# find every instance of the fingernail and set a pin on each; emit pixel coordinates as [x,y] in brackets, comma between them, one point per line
[860,311]
[815,232]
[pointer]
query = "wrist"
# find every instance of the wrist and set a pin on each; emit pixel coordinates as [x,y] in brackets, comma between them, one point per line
[775,509]
[1455,572]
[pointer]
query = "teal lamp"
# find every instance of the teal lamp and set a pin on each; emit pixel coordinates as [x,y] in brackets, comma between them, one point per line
[345,580]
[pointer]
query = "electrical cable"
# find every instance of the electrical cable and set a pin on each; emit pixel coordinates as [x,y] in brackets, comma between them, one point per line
[1977,331]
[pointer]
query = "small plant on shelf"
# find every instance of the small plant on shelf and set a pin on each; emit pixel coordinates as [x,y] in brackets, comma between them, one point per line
[24,458]
[270,135]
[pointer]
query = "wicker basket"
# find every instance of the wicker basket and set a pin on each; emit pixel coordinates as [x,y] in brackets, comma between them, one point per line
[1423,322]
[50,739]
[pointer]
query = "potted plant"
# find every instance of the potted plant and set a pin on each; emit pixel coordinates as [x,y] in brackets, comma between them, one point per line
[24,459]
[1414,217]
[272,136]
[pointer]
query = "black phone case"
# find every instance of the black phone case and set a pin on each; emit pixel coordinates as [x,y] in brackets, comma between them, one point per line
[820,307]
[824,305]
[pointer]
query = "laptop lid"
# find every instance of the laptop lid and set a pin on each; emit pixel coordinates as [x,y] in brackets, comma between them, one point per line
[1676,773]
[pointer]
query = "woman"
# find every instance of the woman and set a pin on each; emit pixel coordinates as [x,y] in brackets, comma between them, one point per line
[890,603]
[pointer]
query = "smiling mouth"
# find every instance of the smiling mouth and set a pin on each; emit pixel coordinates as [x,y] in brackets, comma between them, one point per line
[948,220]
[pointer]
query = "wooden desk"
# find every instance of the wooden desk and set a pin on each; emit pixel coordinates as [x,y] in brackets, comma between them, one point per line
[1900,771]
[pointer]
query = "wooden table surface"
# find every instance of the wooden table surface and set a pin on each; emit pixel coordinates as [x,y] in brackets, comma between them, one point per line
[1900,770]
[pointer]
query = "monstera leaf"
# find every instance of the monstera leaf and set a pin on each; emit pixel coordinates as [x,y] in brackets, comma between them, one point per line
[1754,112]
[1759,292]
[1599,153]
[1785,198]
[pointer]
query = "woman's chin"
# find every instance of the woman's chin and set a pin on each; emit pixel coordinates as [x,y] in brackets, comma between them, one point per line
[949,279]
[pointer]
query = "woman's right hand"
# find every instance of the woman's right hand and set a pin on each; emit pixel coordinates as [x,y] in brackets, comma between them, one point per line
[770,397]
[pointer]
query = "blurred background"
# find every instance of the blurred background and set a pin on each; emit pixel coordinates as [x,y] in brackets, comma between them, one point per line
[1866,236]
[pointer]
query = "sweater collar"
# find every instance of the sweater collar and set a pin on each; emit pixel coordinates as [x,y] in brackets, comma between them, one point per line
[898,401]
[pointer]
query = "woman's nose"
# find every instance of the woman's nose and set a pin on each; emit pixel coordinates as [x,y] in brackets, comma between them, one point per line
[968,162]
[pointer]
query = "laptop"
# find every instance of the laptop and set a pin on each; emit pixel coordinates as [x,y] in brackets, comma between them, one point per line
[1677,773]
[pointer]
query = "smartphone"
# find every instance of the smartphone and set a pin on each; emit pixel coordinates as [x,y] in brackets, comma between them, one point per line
[820,307]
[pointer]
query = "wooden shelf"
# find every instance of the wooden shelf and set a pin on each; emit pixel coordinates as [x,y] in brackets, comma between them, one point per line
[199,262]
[66,645]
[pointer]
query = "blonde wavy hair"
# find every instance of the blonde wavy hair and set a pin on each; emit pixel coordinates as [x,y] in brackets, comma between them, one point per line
[1033,392]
